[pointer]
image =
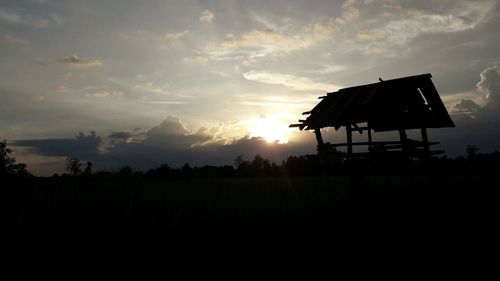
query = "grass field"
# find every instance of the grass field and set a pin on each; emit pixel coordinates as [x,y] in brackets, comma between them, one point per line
[243,227]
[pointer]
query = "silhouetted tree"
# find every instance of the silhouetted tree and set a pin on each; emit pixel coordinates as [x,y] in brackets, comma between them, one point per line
[186,171]
[471,151]
[73,166]
[8,165]
[6,161]
[125,171]
[239,160]
[88,169]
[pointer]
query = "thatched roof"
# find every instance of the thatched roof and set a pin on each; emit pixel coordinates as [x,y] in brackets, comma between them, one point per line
[403,103]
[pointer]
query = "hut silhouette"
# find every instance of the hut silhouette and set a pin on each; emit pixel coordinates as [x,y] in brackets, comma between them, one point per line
[393,105]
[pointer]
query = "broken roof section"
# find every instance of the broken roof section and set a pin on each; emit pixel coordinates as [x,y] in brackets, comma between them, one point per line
[404,103]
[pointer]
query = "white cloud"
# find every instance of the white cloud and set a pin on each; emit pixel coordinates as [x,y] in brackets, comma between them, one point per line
[176,37]
[104,94]
[295,82]
[258,44]
[207,17]
[349,11]
[275,41]
[489,86]
[406,27]
[485,98]
[199,60]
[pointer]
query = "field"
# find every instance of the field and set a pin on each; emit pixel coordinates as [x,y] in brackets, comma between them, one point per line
[247,227]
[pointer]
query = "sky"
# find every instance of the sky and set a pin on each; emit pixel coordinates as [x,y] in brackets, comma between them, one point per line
[142,83]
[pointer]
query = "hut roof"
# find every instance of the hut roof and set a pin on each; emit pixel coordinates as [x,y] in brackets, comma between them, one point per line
[404,103]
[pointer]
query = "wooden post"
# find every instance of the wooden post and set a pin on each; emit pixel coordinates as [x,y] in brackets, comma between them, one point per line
[321,150]
[319,138]
[369,139]
[348,131]
[425,140]
[404,143]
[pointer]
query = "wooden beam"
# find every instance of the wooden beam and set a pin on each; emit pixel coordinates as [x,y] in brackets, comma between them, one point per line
[357,128]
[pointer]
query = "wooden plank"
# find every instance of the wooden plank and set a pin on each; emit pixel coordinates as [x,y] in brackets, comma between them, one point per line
[367,143]
[379,143]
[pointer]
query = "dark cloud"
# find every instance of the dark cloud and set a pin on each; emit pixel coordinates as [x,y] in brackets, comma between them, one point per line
[168,143]
[174,144]
[465,107]
[172,134]
[120,135]
[82,146]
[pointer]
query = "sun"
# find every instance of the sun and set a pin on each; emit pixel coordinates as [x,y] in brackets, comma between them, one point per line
[270,129]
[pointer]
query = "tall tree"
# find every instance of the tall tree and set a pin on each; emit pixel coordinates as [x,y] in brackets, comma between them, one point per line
[73,166]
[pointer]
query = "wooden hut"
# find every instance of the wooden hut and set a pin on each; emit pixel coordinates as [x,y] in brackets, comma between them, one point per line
[392,105]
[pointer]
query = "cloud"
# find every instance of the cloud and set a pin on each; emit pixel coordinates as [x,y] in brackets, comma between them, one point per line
[257,44]
[476,124]
[82,146]
[295,82]
[170,142]
[58,20]
[15,18]
[207,17]
[107,94]
[199,60]
[465,107]
[406,27]
[282,38]
[11,17]
[172,133]
[489,86]
[75,60]
[120,135]
[176,37]
[134,136]
[349,11]
[15,40]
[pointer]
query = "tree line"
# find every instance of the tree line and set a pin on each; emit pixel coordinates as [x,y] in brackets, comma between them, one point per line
[306,165]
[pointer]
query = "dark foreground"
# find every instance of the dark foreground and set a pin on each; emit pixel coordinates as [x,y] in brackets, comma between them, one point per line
[338,228]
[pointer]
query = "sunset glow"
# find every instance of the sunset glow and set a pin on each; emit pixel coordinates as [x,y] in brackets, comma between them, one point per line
[126,83]
[270,129]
